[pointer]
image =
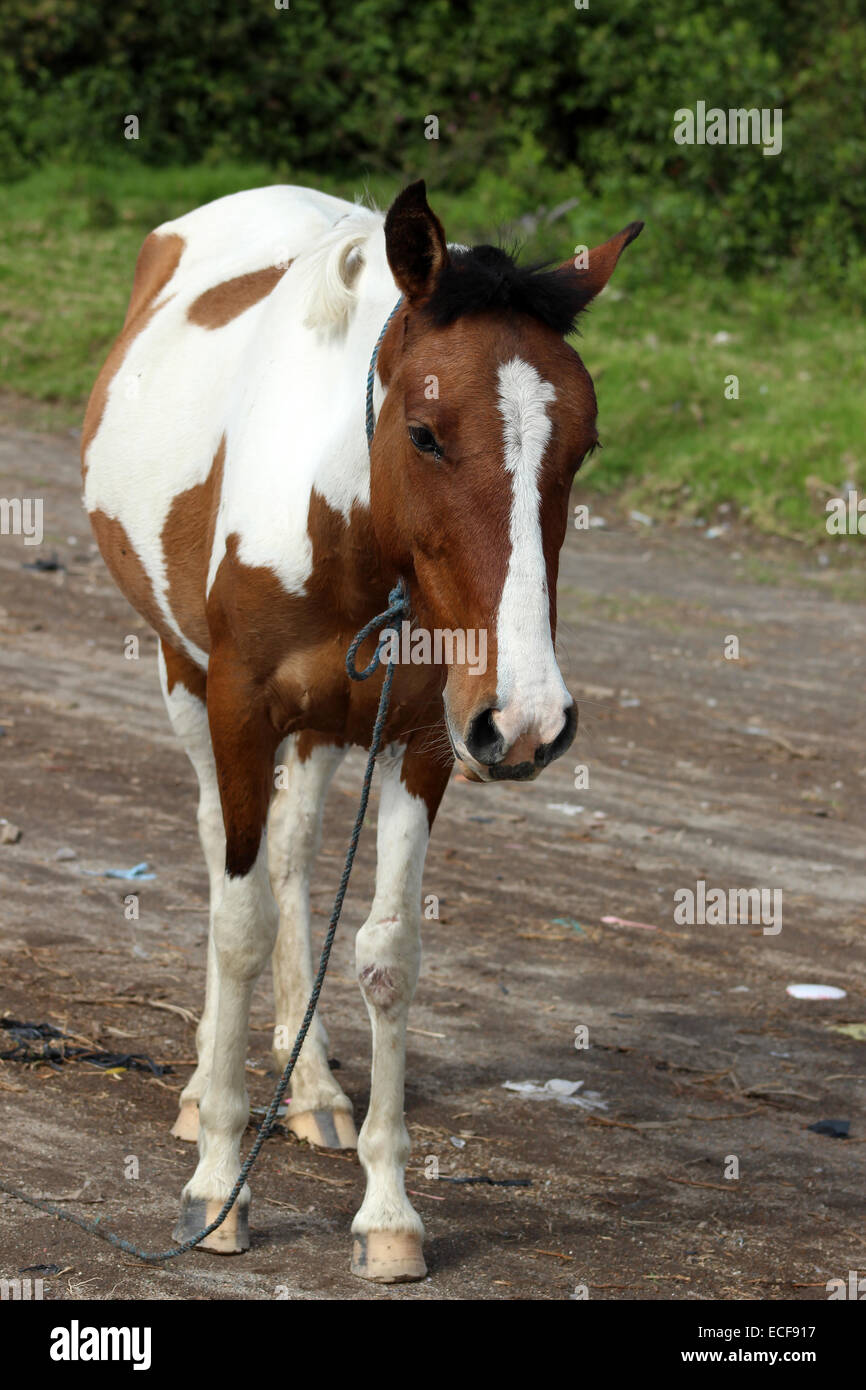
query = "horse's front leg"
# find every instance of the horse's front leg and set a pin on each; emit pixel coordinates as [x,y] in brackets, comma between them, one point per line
[244,929]
[388,1231]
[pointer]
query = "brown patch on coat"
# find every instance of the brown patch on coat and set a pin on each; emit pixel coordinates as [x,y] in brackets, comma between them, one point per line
[187,542]
[269,624]
[127,571]
[427,766]
[294,645]
[181,670]
[219,305]
[277,667]
[157,262]
[309,741]
[244,744]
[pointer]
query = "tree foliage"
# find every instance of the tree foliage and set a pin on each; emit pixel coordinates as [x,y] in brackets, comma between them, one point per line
[521,92]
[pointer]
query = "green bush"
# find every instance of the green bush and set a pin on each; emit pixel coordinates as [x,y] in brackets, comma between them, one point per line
[536,100]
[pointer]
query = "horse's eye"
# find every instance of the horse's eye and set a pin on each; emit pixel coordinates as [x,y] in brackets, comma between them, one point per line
[424,441]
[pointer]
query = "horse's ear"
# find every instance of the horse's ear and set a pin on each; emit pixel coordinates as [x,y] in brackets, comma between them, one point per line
[414,242]
[594,268]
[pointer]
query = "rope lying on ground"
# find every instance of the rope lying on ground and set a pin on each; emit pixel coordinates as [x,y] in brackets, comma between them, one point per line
[55,1050]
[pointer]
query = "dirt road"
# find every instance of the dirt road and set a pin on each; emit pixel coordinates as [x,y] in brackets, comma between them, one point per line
[742,773]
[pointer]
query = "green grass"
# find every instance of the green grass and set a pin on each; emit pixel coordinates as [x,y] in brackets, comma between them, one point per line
[680,447]
[673,445]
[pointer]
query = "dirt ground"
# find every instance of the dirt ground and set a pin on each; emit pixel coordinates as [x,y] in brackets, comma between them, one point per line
[743,773]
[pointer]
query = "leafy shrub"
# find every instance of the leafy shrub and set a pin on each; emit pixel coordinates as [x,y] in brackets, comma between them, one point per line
[531,101]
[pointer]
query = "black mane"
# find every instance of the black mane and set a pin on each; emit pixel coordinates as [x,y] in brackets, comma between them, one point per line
[487,278]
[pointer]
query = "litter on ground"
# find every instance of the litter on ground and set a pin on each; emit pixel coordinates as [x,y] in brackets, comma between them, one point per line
[857,1031]
[138,871]
[834,1129]
[815,992]
[624,922]
[568,922]
[556,1089]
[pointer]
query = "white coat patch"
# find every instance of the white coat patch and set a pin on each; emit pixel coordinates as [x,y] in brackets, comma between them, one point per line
[530,689]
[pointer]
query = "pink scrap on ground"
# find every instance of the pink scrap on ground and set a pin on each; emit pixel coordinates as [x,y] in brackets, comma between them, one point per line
[623,922]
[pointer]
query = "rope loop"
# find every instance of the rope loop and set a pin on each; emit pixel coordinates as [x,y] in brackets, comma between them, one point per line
[398,607]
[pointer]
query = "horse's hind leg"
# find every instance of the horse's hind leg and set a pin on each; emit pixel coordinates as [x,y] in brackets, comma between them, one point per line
[319,1112]
[183,688]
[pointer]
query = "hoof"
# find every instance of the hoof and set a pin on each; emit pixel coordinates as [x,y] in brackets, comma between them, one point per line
[327,1129]
[388,1257]
[231,1238]
[186,1124]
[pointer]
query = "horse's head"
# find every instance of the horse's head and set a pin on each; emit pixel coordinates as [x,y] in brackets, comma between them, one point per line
[488,414]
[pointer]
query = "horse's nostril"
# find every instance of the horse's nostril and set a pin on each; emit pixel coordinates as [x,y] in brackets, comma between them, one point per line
[563,741]
[484,740]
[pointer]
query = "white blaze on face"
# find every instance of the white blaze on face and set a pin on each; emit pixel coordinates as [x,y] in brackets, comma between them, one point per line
[530,690]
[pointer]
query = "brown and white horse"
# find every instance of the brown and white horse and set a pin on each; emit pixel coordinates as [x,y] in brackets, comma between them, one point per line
[229,485]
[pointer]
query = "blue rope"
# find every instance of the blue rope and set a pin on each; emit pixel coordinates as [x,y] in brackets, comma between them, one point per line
[398,607]
[371,419]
